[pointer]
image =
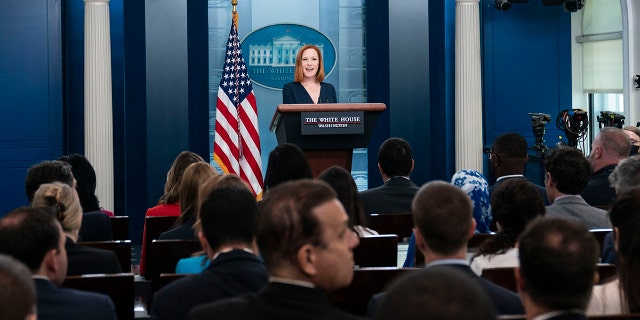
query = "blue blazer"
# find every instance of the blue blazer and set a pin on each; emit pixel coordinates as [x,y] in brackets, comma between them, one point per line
[69,304]
[295,93]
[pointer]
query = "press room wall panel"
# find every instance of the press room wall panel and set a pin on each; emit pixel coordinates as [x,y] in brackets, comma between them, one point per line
[31,91]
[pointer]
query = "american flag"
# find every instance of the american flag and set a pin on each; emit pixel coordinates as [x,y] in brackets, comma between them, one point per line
[237,142]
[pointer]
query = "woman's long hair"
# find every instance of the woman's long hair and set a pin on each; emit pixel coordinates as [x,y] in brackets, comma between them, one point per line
[174,176]
[625,218]
[194,176]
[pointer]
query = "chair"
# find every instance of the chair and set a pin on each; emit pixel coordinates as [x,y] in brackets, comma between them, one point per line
[167,278]
[366,282]
[395,223]
[600,234]
[122,249]
[153,227]
[117,286]
[120,227]
[377,251]
[506,278]
[164,256]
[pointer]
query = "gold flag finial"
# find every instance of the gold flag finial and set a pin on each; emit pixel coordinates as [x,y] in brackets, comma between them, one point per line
[234,13]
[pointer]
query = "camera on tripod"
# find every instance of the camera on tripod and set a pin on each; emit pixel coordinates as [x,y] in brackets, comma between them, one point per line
[610,119]
[538,124]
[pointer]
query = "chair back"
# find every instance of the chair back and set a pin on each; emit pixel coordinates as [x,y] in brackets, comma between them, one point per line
[153,227]
[118,286]
[599,234]
[120,227]
[505,277]
[122,249]
[394,223]
[164,256]
[167,278]
[377,251]
[366,283]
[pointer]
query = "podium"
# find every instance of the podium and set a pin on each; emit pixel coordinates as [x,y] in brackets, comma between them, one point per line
[327,133]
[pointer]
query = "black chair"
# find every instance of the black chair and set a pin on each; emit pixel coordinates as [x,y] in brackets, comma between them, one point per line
[117,286]
[164,256]
[395,223]
[153,227]
[120,227]
[366,283]
[377,251]
[122,249]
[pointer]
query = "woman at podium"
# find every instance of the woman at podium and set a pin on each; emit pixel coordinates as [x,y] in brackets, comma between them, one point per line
[308,86]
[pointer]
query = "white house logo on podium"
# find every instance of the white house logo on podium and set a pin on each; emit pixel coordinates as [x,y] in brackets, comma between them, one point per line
[272,50]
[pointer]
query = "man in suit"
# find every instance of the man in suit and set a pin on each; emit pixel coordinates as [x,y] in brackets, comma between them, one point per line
[609,147]
[17,292]
[95,225]
[34,237]
[566,175]
[304,237]
[227,216]
[508,159]
[395,163]
[557,269]
[443,216]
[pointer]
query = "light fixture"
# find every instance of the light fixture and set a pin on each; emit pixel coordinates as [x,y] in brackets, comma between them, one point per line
[573,5]
[505,5]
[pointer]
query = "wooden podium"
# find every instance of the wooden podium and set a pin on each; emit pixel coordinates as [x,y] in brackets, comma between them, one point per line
[326,132]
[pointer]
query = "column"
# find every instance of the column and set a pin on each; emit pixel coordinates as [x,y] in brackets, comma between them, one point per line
[98,120]
[468,109]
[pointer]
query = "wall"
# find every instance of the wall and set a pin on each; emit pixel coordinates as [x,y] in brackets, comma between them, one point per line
[31,91]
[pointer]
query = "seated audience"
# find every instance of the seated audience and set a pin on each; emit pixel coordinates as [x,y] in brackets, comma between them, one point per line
[567,174]
[228,218]
[622,295]
[443,217]
[93,223]
[97,226]
[557,269]
[514,203]
[199,261]
[508,159]
[395,162]
[17,292]
[342,182]
[81,259]
[625,176]
[286,162]
[304,238]
[169,203]
[476,187]
[34,237]
[634,136]
[194,176]
[474,184]
[609,147]
[439,292]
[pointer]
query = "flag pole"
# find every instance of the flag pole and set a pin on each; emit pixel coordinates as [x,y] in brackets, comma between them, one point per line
[234,13]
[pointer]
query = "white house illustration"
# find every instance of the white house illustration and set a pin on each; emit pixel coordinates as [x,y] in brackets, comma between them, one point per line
[281,53]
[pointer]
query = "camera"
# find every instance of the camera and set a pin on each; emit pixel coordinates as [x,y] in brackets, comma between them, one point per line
[505,5]
[610,119]
[538,123]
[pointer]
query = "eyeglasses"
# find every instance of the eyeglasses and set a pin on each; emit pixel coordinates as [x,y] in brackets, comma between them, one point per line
[492,155]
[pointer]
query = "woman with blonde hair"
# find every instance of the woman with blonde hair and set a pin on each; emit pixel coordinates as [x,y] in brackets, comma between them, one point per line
[81,259]
[194,176]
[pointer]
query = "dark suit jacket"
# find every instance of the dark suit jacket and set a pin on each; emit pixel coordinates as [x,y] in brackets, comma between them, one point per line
[95,226]
[276,301]
[182,232]
[230,274]
[504,301]
[394,196]
[87,260]
[295,93]
[67,304]
[543,190]
[599,191]
[574,207]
